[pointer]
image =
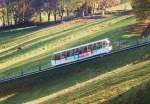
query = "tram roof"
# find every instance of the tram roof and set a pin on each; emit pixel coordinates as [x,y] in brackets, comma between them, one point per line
[106,39]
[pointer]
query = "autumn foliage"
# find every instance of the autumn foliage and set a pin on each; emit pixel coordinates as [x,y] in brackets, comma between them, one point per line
[141,8]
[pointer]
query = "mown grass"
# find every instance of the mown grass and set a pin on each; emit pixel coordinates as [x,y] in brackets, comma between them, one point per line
[120,7]
[38,46]
[121,78]
[136,95]
[97,81]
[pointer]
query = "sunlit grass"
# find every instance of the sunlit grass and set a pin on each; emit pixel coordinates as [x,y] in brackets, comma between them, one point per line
[104,87]
[6,97]
[42,43]
[98,81]
[92,82]
[124,6]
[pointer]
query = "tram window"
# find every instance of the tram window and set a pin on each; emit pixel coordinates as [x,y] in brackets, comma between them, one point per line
[104,44]
[76,51]
[85,49]
[57,57]
[89,47]
[71,52]
[109,43]
[81,50]
[94,46]
[62,55]
[68,54]
[99,45]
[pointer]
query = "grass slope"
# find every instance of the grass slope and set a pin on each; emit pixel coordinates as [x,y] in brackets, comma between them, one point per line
[136,95]
[105,80]
[120,7]
[39,44]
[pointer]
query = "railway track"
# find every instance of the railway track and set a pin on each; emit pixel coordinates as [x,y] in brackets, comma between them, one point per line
[19,77]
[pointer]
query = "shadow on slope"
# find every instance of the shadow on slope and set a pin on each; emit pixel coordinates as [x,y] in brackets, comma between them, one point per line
[115,34]
[52,81]
[137,95]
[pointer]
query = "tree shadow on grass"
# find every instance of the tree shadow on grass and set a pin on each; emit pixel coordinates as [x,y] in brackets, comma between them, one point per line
[16,32]
[139,29]
[54,37]
[69,31]
[136,95]
[38,86]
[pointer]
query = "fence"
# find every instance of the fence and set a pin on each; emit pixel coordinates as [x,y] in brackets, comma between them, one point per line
[117,47]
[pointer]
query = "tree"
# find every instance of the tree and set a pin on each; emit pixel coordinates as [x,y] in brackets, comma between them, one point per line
[61,9]
[48,8]
[141,8]
[103,4]
[68,6]
[91,5]
[2,11]
[51,6]
[74,5]
[37,6]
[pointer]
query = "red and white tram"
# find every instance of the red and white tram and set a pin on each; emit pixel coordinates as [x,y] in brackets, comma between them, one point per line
[81,52]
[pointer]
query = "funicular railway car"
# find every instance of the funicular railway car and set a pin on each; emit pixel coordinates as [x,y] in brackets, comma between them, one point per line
[81,52]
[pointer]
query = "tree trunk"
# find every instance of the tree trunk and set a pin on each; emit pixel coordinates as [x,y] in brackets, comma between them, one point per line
[40,17]
[62,15]
[81,12]
[7,16]
[3,20]
[49,15]
[55,17]
[67,12]
[103,12]
[11,20]
[15,18]
[93,12]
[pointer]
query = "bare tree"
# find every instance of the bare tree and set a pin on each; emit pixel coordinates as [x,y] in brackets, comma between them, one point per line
[103,4]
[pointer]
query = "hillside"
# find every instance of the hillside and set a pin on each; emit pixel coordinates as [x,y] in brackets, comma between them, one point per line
[120,78]
[27,48]
[103,81]
[120,7]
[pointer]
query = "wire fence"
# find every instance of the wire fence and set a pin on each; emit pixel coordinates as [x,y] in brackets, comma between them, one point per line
[117,47]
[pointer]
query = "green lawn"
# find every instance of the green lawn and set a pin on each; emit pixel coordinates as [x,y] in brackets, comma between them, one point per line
[121,78]
[39,44]
[107,80]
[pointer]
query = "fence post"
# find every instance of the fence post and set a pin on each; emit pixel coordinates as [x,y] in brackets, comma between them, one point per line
[40,68]
[137,42]
[21,72]
[119,44]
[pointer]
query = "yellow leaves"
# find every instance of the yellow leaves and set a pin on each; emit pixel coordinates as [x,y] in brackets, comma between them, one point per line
[141,8]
